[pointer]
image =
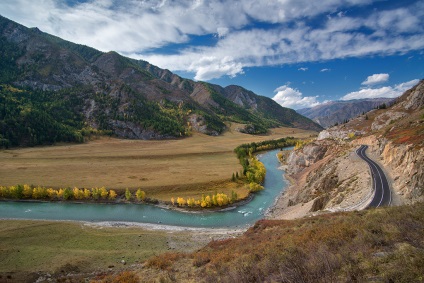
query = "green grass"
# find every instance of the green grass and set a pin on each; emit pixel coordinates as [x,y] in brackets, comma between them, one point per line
[57,247]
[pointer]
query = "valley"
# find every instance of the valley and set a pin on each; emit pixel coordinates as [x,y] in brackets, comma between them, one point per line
[73,117]
[186,167]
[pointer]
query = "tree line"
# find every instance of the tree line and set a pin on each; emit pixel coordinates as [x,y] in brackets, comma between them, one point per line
[20,192]
[218,199]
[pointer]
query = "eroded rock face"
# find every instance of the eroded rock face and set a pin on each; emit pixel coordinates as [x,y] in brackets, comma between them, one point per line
[300,159]
[135,131]
[404,164]
[415,99]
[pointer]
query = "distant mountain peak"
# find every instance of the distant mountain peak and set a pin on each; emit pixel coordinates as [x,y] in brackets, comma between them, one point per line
[339,111]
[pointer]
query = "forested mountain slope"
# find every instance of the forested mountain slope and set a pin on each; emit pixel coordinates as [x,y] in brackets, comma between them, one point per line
[109,93]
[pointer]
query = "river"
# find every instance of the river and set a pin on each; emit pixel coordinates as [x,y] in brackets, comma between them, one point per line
[143,213]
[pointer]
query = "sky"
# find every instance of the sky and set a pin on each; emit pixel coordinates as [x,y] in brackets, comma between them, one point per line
[301,53]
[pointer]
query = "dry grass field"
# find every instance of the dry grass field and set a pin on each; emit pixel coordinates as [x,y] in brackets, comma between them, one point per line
[164,169]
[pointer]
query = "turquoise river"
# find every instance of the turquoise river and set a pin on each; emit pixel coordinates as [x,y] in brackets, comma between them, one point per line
[141,213]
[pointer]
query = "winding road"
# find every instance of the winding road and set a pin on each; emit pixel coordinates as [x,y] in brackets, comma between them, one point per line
[382,193]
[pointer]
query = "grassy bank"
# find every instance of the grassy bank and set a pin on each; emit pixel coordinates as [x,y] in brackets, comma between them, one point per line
[27,247]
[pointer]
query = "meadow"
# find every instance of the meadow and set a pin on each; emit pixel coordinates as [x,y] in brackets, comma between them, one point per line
[28,247]
[186,167]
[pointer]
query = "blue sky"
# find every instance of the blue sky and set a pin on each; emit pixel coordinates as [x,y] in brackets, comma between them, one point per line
[299,52]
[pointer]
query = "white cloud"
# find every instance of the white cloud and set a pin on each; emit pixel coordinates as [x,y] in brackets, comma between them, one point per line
[208,68]
[222,31]
[302,69]
[387,91]
[293,98]
[136,28]
[376,79]
[325,70]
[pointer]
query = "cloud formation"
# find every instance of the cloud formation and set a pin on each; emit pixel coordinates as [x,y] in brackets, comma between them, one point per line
[293,98]
[387,91]
[376,79]
[299,30]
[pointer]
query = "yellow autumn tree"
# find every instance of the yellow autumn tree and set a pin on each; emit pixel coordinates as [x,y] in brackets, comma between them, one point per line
[87,193]
[191,202]
[140,195]
[27,191]
[181,201]
[103,193]
[112,194]
[78,193]
[52,193]
[255,187]
[208,201]
[39,192]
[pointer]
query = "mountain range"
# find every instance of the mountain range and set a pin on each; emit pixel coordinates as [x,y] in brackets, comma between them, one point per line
[336,112]
[54,90]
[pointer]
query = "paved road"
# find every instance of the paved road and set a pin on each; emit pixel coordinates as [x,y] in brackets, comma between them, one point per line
[382,195]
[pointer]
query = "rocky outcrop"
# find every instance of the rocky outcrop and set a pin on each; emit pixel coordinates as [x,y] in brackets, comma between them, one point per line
[404,165]
[412,99]
[386,119]
[305,157]
[135,131]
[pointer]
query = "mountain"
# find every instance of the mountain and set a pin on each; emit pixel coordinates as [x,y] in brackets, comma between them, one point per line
[336,112]
[43,76]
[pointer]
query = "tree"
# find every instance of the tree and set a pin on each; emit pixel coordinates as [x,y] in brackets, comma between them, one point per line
[233,196]
[173,201]
[16,192]
[52,193]
[103,193]
[39,192]
[27,192]
[78,193]
[128,194]
[95,192]
[254,187]
[140,195]
[4,191]
[191,202]
[181,201]
[60,193]
[67,194]
[112,194]
[87,193]
[233,178]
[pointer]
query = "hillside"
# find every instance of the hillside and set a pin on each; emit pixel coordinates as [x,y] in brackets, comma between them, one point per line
[337,112]
[109,93]
[329,176]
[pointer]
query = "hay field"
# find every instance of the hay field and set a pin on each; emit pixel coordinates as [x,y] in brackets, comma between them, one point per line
[181,167]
